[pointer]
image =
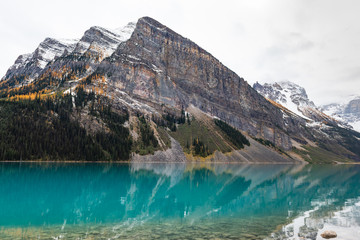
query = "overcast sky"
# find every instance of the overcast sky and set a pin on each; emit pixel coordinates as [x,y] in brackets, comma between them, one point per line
[314,43]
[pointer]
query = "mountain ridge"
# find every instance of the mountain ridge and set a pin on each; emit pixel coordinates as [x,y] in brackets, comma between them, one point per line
[32,63]
[95,37]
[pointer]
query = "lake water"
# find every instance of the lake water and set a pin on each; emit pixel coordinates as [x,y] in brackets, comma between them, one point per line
[178,201]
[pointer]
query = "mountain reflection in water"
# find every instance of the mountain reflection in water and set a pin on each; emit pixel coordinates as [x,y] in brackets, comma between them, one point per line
[143,201]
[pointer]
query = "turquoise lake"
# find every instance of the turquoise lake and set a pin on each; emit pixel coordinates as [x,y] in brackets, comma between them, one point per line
[178,201]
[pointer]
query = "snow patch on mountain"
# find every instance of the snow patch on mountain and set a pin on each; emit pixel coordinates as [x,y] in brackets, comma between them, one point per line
[356,125]
[51,48]
[102,40]
[126,31]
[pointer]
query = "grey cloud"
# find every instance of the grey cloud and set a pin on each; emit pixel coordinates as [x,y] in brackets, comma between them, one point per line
[352,75]
[290,44]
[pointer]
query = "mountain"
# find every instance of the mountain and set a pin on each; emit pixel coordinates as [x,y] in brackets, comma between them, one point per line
[165,96]
[348,112]
[295,99]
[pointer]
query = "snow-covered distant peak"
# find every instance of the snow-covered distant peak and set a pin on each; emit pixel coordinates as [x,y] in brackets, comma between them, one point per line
[333,109]
[294,98]
[340,107]
[348,110]
[288,94]
[346,99]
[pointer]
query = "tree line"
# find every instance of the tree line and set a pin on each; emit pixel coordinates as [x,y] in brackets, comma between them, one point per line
[43,129]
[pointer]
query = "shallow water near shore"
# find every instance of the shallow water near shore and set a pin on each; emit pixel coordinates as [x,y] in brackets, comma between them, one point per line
[178,201]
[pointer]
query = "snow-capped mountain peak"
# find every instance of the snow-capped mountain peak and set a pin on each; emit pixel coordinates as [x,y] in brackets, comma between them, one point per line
[294,98]
[288,94]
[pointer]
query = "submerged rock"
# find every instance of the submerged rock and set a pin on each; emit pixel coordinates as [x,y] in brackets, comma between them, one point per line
[329,234]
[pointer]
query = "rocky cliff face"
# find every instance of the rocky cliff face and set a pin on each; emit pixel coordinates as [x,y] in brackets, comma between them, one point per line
[163,67]
[148,68]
